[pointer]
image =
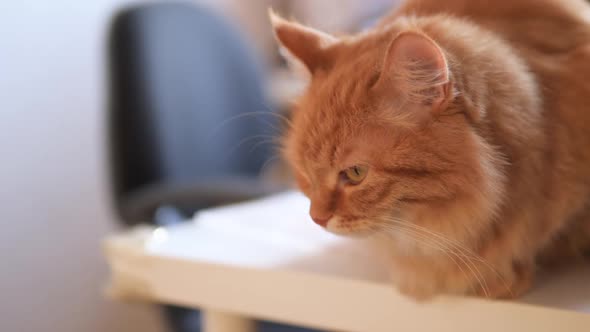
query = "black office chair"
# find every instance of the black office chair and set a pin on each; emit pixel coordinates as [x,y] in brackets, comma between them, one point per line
[182,87]
[180,76]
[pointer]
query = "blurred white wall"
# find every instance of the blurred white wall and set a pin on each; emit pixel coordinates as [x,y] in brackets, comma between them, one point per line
[252,18]
[53,181]
[337,16]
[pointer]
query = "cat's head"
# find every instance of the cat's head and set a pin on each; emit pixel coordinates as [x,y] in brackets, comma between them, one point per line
[379,140]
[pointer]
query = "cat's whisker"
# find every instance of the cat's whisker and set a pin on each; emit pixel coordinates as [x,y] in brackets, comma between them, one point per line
[263,142]
[225,122]
[247,139]
[278,131]
[423,240]
[467,256]
[267,163]
[443,248]
[464,250]
[441,237]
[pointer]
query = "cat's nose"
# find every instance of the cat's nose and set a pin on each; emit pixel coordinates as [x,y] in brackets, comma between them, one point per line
[321,220]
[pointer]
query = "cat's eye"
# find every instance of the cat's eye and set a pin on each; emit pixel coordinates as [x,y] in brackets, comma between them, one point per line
[355,174]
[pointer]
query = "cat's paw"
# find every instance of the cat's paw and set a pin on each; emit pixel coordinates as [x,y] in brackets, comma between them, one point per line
[418,292]
[520,281]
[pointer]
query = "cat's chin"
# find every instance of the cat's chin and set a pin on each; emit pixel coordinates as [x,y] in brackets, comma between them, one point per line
[351,229]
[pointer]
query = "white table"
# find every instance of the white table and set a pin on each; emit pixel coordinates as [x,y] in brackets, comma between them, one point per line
[266,260]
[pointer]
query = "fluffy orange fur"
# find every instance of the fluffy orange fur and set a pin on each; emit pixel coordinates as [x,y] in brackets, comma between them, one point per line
[471,118]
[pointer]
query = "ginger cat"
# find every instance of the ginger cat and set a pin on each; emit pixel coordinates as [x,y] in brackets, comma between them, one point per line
[458,131]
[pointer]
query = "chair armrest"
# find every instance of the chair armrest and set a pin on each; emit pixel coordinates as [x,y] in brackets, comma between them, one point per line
[139,206]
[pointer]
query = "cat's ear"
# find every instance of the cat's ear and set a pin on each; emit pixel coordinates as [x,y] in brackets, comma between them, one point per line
[418,68]
[302,46]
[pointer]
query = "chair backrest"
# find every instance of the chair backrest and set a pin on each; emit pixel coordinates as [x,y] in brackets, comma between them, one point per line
[182,85]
